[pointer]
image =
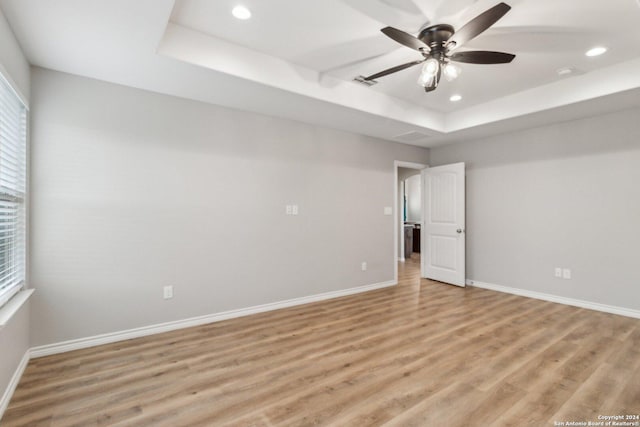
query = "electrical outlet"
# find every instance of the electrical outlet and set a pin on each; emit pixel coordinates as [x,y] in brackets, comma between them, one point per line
[566,273]
[168,292]
[289,210]
[294,210]
[558,272]
[364,266]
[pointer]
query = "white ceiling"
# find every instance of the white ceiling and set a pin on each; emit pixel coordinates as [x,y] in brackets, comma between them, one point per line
[297,58]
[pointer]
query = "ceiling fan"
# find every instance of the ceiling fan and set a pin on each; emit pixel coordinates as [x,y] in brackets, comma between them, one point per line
[437,42]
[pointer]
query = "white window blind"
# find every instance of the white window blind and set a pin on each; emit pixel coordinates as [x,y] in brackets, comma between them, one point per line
[13,144]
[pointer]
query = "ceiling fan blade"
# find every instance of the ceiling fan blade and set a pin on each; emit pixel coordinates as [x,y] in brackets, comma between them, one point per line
[482,57]
[405,39]
[394,69]
[478,25]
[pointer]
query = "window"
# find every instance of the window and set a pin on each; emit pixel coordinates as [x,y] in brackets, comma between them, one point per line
[13,147]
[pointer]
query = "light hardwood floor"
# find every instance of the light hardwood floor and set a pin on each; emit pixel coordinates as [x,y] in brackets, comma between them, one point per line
[418,354]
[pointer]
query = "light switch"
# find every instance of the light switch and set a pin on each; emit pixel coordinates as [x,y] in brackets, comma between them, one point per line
[388,210]
[167,292]
[566,273]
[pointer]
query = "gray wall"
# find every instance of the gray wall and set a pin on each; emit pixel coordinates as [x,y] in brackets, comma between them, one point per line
[14,343]
[12,58]
[14,337]
[133,190]
[565,195]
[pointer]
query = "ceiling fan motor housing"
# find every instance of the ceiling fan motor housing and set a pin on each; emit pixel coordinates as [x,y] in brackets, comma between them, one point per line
[436,36]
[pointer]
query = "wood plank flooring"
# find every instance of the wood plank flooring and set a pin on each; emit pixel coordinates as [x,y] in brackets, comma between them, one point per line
[418,354]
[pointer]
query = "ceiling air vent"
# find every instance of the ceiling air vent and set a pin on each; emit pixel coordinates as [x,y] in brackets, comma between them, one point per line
[361,80]
[412,136]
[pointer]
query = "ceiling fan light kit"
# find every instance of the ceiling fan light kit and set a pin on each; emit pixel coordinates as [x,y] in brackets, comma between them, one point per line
[437,42]
[451,71]
[430,73]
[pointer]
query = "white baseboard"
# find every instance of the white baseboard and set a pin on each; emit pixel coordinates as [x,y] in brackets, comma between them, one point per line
[93,341]
[555,298]
[15,379]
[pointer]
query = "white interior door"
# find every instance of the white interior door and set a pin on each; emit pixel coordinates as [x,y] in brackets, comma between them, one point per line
[443,232]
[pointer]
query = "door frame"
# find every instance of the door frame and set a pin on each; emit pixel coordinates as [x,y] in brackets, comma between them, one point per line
[396,221]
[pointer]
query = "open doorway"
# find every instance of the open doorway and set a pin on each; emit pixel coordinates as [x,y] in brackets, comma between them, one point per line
[408,212]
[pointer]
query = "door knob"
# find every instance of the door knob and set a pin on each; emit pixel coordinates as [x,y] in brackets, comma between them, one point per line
[459,231]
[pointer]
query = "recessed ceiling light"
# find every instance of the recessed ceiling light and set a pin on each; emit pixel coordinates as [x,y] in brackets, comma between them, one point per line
[596,51]
[241,12]
[564,71]
[455,98]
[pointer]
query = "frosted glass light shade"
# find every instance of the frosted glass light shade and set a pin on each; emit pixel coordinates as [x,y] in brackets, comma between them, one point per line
[451,72]
[430,69]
